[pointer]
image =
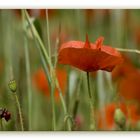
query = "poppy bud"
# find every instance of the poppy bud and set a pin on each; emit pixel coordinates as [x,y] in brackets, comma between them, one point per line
[4,113]
[13,86]
[119,117]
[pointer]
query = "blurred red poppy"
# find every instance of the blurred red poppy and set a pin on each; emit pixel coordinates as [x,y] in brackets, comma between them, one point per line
[129,87]
[124,69]
[40,81]
[127,77]
[106,121]
[88,56]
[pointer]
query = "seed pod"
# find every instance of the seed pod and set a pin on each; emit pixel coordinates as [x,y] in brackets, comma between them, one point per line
[12,85]
[119,117]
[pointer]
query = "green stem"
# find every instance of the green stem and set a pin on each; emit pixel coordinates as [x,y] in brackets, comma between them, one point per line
[42,47]
[47,59]
[28,75]
[52,84]
[67,93]
[42,56]
[92,112]
[53,104]
[57,43]
[128,50]
[48,34]
[19,111]
[63,104]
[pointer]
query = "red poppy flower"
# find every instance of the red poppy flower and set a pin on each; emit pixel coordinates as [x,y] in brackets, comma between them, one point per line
[88,56]
[40,81]
[106,121]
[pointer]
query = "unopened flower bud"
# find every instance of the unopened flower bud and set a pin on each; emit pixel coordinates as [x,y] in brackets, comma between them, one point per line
[12,85]
[4,113]
[119,117]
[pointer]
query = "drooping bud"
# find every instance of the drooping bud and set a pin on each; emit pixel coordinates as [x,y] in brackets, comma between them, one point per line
[119,117]
[12,85]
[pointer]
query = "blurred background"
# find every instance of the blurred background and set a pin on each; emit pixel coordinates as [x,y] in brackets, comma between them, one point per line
[121,88]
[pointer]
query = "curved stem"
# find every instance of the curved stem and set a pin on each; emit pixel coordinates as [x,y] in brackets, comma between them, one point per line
[48,61]
[92,112]
[19,111]
[42,47]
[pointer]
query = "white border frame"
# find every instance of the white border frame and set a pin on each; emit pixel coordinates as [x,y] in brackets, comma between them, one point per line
[70,4]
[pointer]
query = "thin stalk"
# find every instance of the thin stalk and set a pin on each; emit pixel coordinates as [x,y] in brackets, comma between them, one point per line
[52,84]
[67,93]
[53,104]
[28,75]
[57,45]
[19,111]
[49,79]
[63,104]
[48,34]
[42,47]
[128,50]
[42,57]
[47,59]
[92,112]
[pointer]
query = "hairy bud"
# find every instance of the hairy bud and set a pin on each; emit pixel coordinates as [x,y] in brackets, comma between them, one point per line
[12,85]
[119,117]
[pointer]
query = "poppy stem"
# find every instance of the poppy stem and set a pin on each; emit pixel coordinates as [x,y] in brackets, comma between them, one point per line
[88,83]
[92,112]
[19,111]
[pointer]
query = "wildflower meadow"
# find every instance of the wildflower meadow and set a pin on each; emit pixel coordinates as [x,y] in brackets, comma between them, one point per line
[69,70]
